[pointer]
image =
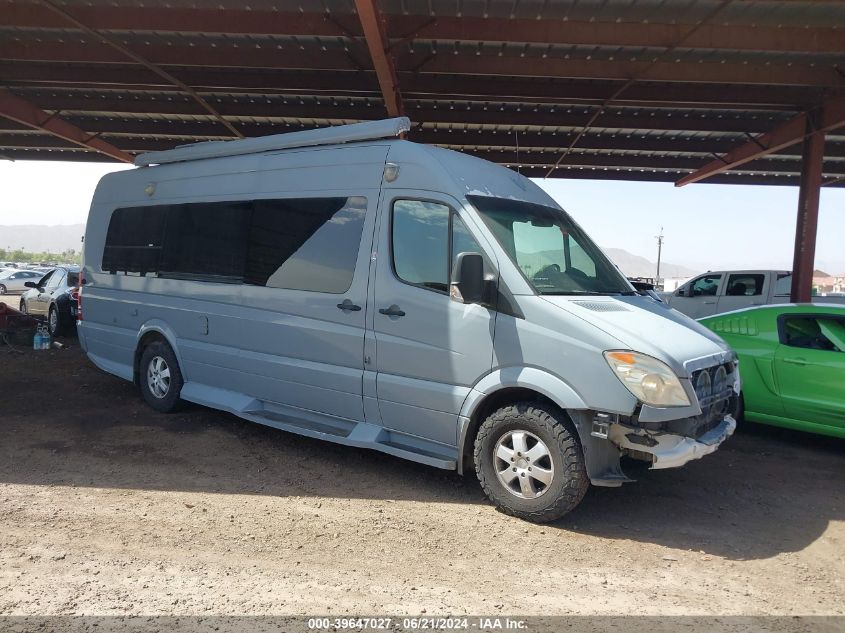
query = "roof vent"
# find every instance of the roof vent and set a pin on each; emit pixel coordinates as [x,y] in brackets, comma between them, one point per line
[370,130]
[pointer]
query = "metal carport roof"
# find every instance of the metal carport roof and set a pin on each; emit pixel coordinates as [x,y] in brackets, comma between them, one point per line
[640,90]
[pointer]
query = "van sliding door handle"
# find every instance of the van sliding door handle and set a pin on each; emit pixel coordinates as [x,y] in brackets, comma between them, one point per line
[393,310]
[348,306]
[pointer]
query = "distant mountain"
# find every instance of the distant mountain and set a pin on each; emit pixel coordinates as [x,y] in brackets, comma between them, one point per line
[636,266]
[631,265]
[35,238]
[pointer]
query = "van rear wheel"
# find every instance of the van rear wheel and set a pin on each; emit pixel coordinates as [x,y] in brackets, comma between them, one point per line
[529,461]
[160,377]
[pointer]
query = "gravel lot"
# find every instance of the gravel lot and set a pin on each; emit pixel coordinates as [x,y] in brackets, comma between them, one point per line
[109,508]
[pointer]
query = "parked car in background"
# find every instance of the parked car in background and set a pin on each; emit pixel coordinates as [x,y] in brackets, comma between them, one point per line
[13,280]
[646,287]
[723,291]
[56,297]
[792,363]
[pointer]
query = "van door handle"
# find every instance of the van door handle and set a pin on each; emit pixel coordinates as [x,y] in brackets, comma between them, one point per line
[709,303]
[348,306]
[393,310]
[795,361]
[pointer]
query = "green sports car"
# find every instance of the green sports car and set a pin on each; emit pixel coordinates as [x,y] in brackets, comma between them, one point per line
[792,364]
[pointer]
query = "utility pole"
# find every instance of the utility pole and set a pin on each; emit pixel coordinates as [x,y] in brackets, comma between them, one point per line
[659,253]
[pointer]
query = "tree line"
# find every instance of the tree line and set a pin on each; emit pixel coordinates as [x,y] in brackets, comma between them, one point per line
[69,256]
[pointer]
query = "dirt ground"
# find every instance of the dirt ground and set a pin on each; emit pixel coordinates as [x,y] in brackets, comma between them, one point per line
[107,507]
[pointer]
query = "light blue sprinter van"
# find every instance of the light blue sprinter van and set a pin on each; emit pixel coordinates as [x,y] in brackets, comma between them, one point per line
[351,286]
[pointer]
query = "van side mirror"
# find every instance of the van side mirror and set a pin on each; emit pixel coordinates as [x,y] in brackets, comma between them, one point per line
[30,284]
[468,278]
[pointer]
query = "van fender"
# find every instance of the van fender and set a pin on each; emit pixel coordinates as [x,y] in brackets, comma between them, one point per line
[601,457]
[549,385]
[555,389]
[159,326]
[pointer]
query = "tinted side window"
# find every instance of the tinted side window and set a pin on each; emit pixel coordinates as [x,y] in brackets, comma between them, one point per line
[301,244]
[134,240]
[706,286]
[814,332]
[420,241]
[207,240]
[744,285]
[307,244]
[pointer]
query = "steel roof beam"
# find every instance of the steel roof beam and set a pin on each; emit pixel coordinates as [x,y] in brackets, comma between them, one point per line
[375,33]
[489,65]
[783,37]
[26,113]
[291,107]
[419,85]
[187,131]
[123,50]
[830,116]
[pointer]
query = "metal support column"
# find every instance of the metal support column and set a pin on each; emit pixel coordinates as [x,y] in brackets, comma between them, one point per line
[808,214]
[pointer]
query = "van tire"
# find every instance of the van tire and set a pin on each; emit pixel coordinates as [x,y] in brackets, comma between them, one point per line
[549,425]
[159,354]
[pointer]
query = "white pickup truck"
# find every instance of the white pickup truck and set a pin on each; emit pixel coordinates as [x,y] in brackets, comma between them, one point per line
[723,291]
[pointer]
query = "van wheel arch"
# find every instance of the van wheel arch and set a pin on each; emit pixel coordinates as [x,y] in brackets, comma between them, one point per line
[148,338]
[490,403]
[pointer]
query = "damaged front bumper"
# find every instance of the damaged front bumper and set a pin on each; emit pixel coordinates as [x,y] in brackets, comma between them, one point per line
[668,450]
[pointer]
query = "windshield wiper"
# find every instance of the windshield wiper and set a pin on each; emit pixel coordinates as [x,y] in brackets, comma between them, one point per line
[561,293]
[590,293]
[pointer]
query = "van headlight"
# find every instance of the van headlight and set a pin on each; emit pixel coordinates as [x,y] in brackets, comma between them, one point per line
[649,379]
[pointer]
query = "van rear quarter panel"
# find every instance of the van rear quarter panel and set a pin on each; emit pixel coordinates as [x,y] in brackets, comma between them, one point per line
[261,341]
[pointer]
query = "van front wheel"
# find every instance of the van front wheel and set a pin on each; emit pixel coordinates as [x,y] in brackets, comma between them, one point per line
[160,377]
[530,463]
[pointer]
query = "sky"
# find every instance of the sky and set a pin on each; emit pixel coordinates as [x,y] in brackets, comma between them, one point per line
[705,227]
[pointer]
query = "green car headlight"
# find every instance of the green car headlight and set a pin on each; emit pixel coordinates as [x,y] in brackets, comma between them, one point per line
[649,379]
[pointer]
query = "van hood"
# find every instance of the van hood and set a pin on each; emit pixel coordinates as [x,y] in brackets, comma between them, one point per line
[649,327]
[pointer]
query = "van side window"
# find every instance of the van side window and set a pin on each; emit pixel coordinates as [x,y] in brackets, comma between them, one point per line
[462,241]
[299,244]
[206,240]
[134,239]
[421,243]
[309,244]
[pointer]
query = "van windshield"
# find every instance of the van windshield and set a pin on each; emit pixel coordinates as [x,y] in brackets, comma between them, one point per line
[554,254]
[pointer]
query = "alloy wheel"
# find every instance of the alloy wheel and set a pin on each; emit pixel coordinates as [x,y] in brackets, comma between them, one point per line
[158,377]
[523,464]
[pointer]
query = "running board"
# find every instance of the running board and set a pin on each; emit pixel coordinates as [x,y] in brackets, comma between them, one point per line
[323,427]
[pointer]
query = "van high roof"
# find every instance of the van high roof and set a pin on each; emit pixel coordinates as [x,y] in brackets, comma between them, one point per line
[369,130]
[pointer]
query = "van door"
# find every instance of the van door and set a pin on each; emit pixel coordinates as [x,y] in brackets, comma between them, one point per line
[430,348]
[301,328]
[743,290]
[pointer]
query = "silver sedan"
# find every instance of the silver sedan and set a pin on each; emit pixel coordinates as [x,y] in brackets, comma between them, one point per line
[13,280]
